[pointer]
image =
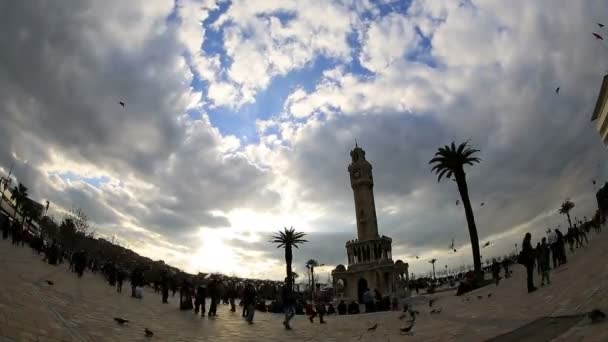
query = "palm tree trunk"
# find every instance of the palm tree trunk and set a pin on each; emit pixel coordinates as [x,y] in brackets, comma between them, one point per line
[468,211]
[288,261]
[569,222]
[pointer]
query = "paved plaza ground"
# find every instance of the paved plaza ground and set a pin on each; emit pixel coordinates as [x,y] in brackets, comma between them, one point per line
[83,309]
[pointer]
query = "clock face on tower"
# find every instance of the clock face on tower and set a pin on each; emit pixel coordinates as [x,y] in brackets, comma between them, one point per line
[357,174]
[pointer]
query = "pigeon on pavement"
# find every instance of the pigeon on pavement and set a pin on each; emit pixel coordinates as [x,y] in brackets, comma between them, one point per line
[407,330]
[149,333]
[121,321]
[373,327]
[49,282]
[596,316]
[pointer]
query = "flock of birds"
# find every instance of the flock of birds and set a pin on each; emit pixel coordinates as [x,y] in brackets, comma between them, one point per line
[595,316]
[122,321]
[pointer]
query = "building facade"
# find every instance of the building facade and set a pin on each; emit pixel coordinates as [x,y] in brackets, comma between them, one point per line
[370,260]
[600,113]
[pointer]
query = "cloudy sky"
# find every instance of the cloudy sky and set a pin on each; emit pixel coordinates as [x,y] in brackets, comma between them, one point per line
[240,116]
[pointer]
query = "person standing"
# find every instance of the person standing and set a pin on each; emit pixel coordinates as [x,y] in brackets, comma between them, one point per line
[199,301]
[537,252]
[164,283]
[496,271]
[120,277]
[545,262]
[249,296]
[342,308]
[527,258]
[215,297]
[561,247]
[231,293]
[552,243]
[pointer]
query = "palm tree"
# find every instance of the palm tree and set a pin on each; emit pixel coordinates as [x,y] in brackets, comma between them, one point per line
[19,196]
[287,239]
[565,210]
[432,261]
[450,161]
[310,265]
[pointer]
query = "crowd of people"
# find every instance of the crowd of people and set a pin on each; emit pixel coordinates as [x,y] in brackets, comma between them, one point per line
[552,250]
[549,253]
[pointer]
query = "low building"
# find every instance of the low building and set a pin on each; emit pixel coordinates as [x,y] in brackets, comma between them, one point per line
[600,113]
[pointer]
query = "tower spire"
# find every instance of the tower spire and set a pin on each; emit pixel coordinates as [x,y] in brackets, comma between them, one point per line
[356,143]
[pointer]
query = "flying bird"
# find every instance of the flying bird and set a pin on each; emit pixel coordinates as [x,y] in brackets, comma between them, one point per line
[49,282]
[557,90]
[457,201]
[597,36]
[455,250]
[596,316]
[417,257]
[121,103]
[149,333]
[600,25]
[373,327]
[121,321]
[487,244]
[482,204]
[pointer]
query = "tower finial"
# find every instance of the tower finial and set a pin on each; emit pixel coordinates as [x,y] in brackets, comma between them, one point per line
[356,143]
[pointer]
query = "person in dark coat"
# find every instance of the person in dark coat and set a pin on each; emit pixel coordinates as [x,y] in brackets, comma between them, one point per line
[249,297]
[214,293]
[164,286]
[561,247]
[528,258]
[199,299]
[342,308]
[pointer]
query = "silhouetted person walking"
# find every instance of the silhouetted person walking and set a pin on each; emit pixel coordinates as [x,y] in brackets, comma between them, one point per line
[199,299]
[215,297]
[561,247]
[342,308]
[249,296]
[527,258]
[289,304]
[545,262]
[120,277]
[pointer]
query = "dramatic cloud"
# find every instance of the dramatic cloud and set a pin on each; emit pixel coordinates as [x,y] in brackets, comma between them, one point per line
[168,175]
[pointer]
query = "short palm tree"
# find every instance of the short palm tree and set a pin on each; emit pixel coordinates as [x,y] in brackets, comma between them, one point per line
[565,210]
[19,196]
[310,265]
[449,161]
[433,261]
[288,238]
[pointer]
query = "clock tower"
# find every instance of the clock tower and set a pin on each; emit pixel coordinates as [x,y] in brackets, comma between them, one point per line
[362,183]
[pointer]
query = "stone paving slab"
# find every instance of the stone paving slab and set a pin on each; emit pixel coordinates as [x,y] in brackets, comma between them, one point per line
[83,309]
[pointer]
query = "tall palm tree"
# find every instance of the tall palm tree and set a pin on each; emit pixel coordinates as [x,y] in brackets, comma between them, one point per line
[287,239]
[565,210]
[19,196]
[432,261]
[449,161]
